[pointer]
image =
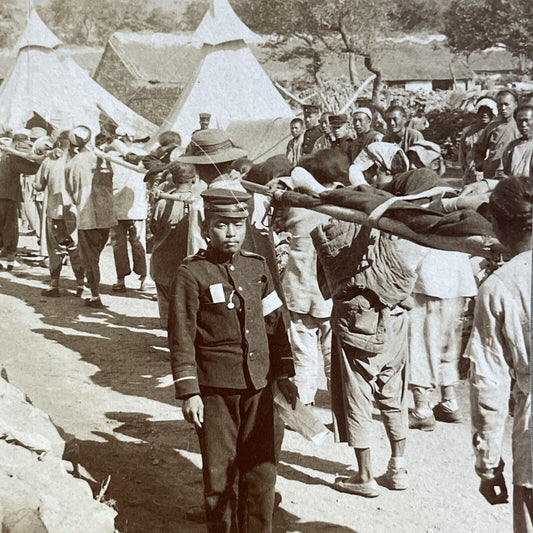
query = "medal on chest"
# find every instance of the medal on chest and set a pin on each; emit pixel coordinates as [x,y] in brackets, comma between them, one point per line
[231,305]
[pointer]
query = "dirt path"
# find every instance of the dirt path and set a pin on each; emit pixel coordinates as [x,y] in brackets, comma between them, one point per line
[100,375]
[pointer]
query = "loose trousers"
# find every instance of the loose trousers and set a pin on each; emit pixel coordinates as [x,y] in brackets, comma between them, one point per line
[435,336]
[59,241]
[92,242]
[9,228]
[133,231]
[311,346]
[241,437]
[358,378]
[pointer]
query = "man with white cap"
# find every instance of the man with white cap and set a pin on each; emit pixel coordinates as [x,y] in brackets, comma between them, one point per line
[61,237]
[89,181]
[362,123]
[494,139]
[486,111]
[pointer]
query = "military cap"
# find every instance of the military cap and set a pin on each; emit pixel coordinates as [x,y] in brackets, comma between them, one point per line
[338,120]
[310,109]
[226,202]
[205,115]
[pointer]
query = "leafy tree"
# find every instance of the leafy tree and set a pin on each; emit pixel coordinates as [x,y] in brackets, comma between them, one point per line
[91,23]
[349,27]
[11,17]
[193,15]
[472,25]
[421,15]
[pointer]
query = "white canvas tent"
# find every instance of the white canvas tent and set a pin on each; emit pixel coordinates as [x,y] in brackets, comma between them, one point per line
[59,91]
[229,83]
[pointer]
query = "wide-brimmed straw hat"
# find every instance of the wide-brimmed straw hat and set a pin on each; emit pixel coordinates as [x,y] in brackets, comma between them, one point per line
[211,146]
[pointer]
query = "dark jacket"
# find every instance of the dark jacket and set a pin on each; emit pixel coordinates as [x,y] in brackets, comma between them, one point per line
[311,136]
[225,325]
[11,167]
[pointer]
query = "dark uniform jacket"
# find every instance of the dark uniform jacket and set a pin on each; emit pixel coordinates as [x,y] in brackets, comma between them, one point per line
[11,167]
[225,326]
[311,136]
[344,144]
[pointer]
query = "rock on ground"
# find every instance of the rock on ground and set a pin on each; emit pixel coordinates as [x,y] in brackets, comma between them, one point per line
[37,493]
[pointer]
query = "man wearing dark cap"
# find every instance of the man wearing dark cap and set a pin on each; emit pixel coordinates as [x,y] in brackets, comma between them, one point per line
[313,130]
[340,130]
[213,153]
[325,140]
[11,167]
[228,346]
[205,119]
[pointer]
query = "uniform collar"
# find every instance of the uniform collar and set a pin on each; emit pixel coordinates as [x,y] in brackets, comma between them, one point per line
[215,256]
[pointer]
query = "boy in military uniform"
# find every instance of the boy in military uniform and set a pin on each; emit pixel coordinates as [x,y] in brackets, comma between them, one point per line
[228,345]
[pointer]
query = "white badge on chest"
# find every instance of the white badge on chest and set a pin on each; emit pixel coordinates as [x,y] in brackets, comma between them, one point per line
[217,293]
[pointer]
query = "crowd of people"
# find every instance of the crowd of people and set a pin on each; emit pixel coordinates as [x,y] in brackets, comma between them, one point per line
[261,298]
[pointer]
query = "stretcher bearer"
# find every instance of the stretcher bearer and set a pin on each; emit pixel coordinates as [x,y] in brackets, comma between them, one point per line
[228,346]
[500,349]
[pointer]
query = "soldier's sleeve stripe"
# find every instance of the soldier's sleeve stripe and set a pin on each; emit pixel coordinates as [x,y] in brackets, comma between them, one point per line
[271,302]
[184,378]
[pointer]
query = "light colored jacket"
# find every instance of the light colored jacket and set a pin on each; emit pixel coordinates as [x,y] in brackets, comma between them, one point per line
[444,274]
[499,348]
[129,194]
[51,177]
[299,282]
[89,181]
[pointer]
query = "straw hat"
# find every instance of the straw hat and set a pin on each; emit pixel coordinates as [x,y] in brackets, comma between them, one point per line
[211,146]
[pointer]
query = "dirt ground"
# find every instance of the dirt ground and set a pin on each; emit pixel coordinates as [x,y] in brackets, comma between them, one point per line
[101,375]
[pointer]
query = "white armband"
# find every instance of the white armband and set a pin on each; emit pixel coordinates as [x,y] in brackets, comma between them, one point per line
[271,302]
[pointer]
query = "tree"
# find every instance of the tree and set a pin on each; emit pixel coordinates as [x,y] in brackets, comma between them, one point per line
[472,25]
[421,15]
[11,17]
[193,15]
[91,23]
[349,27]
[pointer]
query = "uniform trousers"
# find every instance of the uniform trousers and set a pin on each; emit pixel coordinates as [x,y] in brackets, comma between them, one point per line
[435,337]
[358,378]
[240,438]
[133,231]
[522,509]
[91,243]
[9,228]
[311,347]
[59,241]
